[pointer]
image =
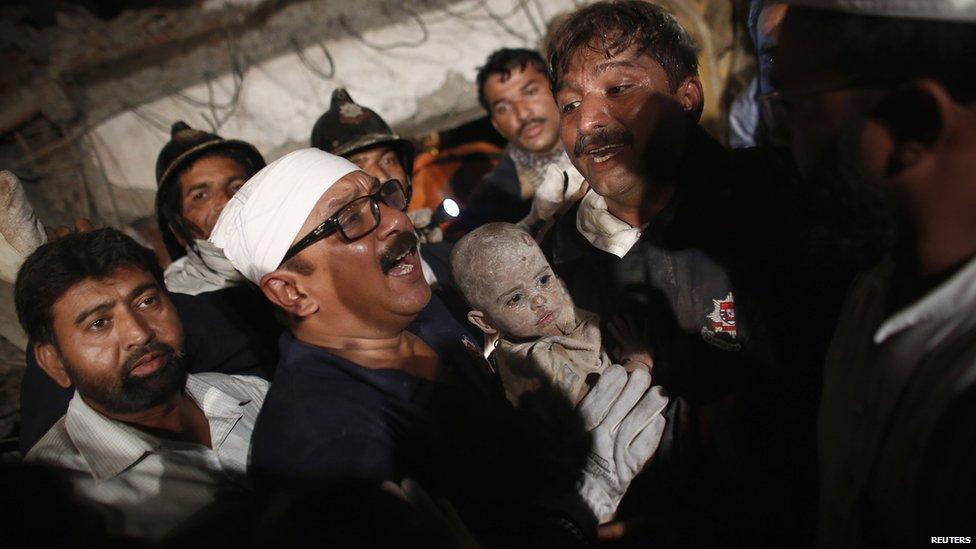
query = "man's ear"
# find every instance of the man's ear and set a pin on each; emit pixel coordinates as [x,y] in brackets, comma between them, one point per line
[49,359]
[915,118]
[285,289]
[478,319]
[691,96]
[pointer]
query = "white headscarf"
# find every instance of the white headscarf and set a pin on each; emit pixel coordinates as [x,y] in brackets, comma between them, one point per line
[263,218]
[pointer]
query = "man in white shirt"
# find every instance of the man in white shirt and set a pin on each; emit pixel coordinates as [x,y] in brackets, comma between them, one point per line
[148,442]
[884,91]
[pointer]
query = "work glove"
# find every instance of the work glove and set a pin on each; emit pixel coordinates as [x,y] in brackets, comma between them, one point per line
[20,231]
[427,232]
[558,190]
[626,424]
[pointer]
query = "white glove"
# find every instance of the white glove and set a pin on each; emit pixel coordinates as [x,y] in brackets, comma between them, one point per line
[20,231]
[557,188]
[421,219]
[626,422]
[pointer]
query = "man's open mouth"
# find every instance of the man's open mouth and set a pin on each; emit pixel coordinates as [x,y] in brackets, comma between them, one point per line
[604,152]
[399,258]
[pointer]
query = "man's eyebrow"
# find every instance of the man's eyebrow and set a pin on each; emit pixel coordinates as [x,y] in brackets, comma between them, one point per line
[532,82]
[141,289]
[338,200]
[605,66]
[104,306]
[201,185]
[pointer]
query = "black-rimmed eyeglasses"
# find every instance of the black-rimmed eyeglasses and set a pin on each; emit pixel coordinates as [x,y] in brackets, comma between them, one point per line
[359,217]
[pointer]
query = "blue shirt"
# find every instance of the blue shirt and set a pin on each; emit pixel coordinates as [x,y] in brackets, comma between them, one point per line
[328,418]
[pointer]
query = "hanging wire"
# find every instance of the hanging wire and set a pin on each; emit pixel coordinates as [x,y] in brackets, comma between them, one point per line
[393,45]
[325,75]
[528,15]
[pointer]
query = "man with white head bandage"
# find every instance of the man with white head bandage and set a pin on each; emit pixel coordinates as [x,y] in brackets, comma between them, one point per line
[376,381]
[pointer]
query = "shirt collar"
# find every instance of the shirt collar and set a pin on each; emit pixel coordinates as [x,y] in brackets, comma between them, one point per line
[222,410]
[947,300]
[110,447]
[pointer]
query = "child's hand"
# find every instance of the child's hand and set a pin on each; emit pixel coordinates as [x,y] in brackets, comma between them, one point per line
[631,337]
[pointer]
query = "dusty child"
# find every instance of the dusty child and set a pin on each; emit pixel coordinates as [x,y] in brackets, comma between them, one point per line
[541,339]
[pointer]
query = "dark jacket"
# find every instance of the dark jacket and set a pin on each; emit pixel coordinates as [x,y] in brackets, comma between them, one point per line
[734,228]
[232,331]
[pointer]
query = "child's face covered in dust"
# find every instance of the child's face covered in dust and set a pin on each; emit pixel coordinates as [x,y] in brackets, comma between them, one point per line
[525,299]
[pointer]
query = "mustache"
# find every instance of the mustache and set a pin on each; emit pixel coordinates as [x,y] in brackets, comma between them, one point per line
[138,354]
[527,123]
[602,138]
[403,243]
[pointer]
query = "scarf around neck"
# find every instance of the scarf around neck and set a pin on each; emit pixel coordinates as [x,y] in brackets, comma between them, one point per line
[203,269]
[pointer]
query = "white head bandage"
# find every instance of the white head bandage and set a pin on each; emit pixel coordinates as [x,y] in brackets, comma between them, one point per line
[263,218]
[937,10]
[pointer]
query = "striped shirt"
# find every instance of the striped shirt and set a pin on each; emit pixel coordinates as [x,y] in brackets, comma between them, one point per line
[149,485]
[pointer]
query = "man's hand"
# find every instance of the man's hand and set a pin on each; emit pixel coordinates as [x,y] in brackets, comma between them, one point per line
[631,337]
[625,420]
[559,190]
[82,225]
[556,189]
[20,231]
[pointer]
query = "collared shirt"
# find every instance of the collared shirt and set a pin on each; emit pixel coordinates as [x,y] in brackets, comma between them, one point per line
[893,389]
[153,484]
[734,306]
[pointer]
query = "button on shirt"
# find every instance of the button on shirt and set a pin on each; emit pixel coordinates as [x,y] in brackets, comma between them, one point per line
[154,484]
[896,416]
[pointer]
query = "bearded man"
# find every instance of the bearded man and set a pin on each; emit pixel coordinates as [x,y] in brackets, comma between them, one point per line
[141,436]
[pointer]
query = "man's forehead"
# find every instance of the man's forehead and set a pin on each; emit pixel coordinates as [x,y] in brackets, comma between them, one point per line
[371,153]
[498,83]
[594,59]
[121,281]
[350,186]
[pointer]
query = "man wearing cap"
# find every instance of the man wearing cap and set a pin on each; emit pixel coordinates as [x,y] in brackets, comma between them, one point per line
[880,97]
[358,134]
[361,136]
[375,381]
[229,327]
